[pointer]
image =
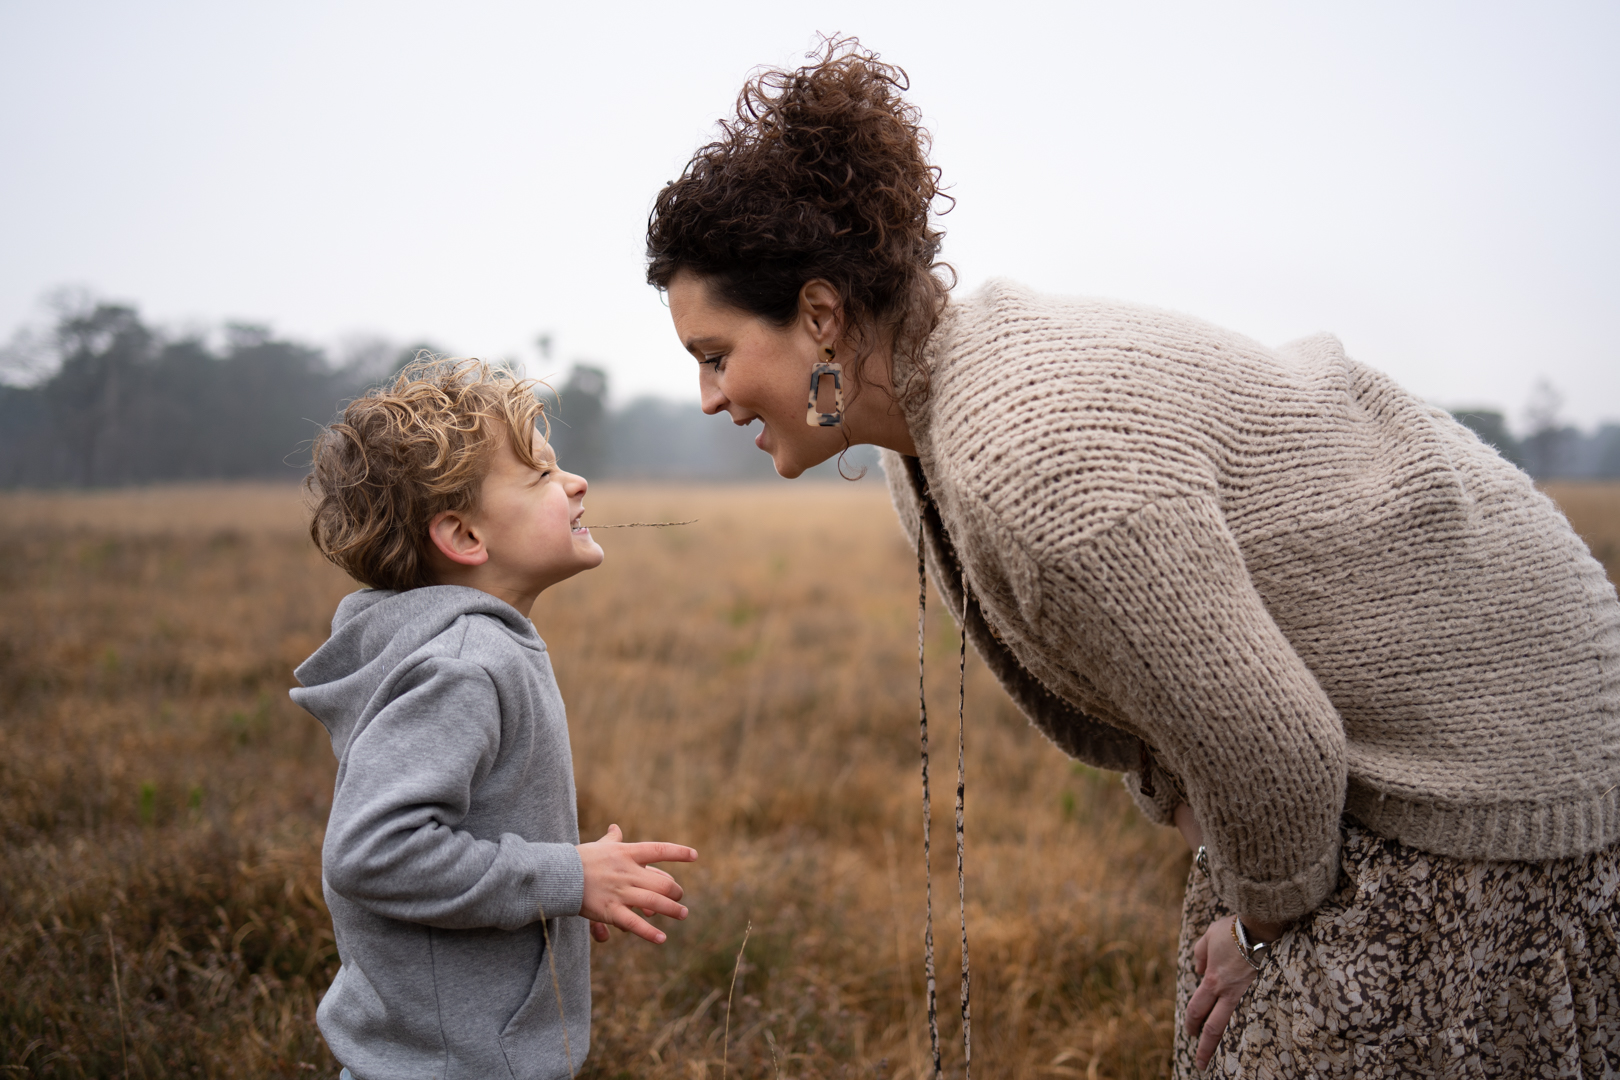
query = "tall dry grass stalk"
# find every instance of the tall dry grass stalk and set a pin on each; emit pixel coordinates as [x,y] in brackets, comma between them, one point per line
[745,684]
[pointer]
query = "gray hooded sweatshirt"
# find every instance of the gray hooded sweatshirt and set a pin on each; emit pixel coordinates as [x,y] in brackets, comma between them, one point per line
[453,827]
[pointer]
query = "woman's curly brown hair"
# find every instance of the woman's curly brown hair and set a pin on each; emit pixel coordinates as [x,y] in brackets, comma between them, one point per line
[408,451]
[823,173]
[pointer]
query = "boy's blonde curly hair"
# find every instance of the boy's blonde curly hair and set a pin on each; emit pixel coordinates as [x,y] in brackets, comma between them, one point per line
[406,452]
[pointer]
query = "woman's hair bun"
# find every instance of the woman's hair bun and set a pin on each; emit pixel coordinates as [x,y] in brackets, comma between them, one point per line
[823,172]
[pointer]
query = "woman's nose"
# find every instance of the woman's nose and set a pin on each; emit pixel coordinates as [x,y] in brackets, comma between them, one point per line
[713,398]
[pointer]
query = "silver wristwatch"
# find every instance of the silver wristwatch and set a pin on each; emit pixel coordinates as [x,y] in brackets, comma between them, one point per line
[1255,952]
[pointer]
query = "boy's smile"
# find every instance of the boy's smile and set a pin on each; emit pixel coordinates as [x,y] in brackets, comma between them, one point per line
[526,533]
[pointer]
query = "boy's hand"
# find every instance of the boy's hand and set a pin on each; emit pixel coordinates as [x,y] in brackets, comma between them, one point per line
[617,879]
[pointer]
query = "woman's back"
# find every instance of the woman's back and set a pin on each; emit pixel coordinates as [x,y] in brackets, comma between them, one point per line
[1458,626]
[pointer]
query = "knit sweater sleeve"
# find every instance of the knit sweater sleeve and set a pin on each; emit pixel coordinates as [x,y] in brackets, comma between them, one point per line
[1159,606]
[395,843]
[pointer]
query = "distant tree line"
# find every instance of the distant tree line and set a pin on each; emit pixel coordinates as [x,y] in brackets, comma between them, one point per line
[116,403]
[125,406]
[1552,450]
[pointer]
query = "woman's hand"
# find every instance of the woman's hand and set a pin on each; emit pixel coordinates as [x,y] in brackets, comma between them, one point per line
[618,879]
[1223,972]
[1224,976]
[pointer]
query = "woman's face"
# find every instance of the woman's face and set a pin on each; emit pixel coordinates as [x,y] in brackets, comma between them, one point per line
[753,370]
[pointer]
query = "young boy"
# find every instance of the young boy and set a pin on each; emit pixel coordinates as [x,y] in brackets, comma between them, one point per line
[452,863]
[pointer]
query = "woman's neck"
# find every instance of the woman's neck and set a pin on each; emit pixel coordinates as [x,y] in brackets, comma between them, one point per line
[874,416]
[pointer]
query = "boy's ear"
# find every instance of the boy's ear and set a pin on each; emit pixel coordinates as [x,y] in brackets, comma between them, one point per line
[457,539]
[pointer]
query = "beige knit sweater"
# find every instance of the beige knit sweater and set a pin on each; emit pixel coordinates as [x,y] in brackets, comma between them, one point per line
[1284,583]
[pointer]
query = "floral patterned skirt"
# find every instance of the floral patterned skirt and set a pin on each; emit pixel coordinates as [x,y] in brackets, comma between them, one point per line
[1421,965]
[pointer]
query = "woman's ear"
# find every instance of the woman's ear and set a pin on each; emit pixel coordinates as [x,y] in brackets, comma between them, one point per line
[821,309]
[457,538]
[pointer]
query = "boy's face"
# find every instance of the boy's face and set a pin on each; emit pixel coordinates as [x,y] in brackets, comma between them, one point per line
[530,521]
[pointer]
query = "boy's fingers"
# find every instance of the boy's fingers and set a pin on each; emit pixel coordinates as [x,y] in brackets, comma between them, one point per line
[613,834]
[631,923]
[662,883]
[652,851]
[656,903]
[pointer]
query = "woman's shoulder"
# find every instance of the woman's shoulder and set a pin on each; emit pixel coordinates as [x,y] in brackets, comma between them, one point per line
[1016,316]
[1101,362]
[1124,401]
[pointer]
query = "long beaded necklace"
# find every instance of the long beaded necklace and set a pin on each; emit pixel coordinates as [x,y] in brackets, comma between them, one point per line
[961,789]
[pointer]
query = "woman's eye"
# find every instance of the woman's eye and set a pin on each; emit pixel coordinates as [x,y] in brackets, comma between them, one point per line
[715,360]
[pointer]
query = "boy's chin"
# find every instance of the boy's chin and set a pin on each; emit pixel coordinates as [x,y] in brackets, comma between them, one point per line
[591,555]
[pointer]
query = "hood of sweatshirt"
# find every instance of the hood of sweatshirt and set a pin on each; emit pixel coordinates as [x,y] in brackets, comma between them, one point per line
[374,631]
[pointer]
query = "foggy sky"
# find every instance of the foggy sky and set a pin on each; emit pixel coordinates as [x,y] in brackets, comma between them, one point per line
[1435,183]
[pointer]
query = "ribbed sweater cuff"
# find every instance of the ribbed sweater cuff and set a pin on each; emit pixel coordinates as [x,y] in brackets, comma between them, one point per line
[554,883]
[1279,900]
[1160,807]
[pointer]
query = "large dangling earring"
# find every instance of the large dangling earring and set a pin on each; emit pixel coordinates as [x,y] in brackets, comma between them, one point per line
[829,366]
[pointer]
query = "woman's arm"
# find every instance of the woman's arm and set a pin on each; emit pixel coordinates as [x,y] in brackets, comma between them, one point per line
[1159,610]
[1187,823]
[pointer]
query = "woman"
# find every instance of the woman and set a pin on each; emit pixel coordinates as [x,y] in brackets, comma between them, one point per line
[1368,671]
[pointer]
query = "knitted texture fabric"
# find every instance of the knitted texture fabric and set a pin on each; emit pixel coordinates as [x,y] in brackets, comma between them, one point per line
[1268,582]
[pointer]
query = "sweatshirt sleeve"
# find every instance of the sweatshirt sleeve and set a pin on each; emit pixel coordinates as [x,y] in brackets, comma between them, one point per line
[394,844]
[1160,606]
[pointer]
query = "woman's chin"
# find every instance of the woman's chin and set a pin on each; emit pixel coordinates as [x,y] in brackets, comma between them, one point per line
[785,468]
[793,457]
[792,463]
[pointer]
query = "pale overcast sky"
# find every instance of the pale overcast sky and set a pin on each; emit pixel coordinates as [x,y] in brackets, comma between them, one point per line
[1435,183]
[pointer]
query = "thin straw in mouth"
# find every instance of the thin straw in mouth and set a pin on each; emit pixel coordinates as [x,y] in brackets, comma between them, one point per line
[641,525]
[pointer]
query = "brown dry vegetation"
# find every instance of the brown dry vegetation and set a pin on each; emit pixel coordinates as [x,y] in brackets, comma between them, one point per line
[746,684]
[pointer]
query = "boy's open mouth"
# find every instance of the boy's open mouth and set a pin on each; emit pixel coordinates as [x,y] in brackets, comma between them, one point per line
[577,524]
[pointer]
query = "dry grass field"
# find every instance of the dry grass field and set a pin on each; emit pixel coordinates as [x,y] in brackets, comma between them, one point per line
[745,684]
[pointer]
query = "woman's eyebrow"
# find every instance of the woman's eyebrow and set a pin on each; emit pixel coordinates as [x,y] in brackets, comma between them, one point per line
[698,344]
